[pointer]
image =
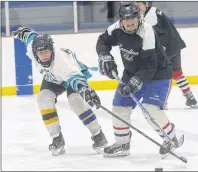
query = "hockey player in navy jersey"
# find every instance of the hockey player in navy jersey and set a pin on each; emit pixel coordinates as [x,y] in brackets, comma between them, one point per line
[146,72]
[61,71]
[172,44]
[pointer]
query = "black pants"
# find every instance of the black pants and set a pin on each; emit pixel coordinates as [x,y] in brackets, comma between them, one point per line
[55,88]
[176,62]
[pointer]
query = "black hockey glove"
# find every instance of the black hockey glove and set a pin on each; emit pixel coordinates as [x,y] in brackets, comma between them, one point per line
[107,65]
[134,85]
[90,96]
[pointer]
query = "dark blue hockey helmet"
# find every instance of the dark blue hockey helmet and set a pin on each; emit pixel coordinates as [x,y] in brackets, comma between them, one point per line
[40,43]
[128,10]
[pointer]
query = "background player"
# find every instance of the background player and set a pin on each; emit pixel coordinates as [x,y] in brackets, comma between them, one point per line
[172,44]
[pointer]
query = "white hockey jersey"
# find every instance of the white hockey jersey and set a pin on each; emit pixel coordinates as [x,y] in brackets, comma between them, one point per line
[62,68]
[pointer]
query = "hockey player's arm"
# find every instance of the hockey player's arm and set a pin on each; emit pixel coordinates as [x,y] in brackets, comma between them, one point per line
[73,78]
[105,42]
[25,34]
[103,47]
[80,85]
[148,56]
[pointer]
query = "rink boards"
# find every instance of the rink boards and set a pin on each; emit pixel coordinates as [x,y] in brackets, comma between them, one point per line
[20,77]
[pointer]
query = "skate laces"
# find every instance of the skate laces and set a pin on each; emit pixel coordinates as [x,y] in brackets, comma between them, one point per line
[167,144]
[58,141]
[98,136]
[115,146]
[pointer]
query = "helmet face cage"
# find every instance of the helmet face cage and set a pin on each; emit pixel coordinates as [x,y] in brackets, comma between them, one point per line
[129,10]
[40,43]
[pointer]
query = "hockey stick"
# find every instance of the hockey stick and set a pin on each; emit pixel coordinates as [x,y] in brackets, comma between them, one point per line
[147,115]
[149,138]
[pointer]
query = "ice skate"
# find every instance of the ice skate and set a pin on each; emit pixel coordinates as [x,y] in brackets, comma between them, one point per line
[57,146]
[191,101]
[117,150]
[100,142]
[170,147]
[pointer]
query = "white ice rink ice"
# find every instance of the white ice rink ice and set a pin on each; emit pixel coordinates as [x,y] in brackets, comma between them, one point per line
[25,140]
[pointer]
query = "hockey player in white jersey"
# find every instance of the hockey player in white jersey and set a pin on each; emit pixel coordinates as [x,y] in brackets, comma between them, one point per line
[61,71]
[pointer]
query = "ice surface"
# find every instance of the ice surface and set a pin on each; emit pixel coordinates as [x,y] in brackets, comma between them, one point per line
[25,140]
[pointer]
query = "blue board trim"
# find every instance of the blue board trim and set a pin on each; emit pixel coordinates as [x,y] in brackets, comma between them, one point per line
[23,69]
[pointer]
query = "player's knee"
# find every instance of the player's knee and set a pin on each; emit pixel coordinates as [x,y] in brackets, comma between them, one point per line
[77,104]
[158,114]
[74,100]
[155,112]
[46,99]
[122,111]
[151,107]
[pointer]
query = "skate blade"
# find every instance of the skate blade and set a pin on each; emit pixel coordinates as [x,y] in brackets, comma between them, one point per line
[180,143]
[100,150]
[192,106]
[57,152]
[167,154]
[117,154]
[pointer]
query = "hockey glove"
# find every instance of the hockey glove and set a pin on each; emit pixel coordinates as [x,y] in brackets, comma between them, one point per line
[22,33]
[134,85]
[90,96]
[107,65]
